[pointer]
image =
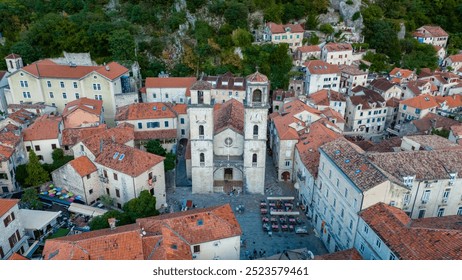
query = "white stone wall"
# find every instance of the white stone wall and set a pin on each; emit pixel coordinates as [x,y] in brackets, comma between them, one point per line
[367,243]
[222,95]
[5,233]
[177,95]
[359,117]
[237,147]
[222,249]
[45,148]
[184,126]
[315,82]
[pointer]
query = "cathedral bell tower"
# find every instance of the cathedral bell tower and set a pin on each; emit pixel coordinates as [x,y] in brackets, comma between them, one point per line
[255,127]
[200,112]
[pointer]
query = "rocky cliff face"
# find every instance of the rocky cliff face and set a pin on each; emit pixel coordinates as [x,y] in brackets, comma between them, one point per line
[347,11]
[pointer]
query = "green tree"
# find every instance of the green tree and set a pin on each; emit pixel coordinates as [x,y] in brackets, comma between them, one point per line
[36,174]
[326,29]
[154,147]
[121,45]
[242,38]
[106,200]
[236,15]
[382,36]
[21,175]
[418,56]
[28,53]
[31,200]
[142,206]
[273,12]
[312,21]
[101,222]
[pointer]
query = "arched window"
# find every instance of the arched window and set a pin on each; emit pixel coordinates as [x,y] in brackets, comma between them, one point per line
[255,131]
[254,160]
[201,131]
[256,96]
[202,159]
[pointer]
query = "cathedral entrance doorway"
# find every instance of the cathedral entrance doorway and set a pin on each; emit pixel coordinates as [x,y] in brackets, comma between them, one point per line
[228,176]
[285,176]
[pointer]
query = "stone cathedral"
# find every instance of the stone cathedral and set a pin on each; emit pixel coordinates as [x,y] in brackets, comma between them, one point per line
[228,139]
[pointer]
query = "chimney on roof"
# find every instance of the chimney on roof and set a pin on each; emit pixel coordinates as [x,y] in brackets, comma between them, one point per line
[100,145]
[107,68]
[112,223]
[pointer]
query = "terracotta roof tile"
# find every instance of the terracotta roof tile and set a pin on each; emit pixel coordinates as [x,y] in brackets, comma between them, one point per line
[280,95]
[432,142]
[89,105]
[393,102]
[6,152]
[226,81]
[308,146]
[257,77]
[345,255]
[156,134]
[120,134]
[141,111]
[456,57]
[453,101]
[324,96]
[319,67]
[401,73]
[415,240]
[49,69]
[12,56]
[125,159]
[72,136]
[381,84]
[351,70]
[457,130]
[353,162]
[22,116]
[44,127]
[281,28]
[164,237]
[171,82]
[422,102]
[229,115]
[6,205]
[17,257]
[2,74]
[338,47]
[201,85]
[385,146]
[426,123]
[367,99]
[434,30]
[332,114]
[424,165]
[180,109]
[83,166]
[309,49]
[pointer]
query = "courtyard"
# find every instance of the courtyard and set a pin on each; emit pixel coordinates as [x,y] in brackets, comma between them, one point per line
[254,238]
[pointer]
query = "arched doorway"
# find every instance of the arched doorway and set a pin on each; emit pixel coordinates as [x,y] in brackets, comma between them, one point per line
[285,175]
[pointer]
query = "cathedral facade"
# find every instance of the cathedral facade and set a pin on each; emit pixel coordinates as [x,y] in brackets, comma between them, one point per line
[228,139]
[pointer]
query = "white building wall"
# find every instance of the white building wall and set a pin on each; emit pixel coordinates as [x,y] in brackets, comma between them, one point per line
[369,244]
[237,147]
[315,82]
[222,249]
[45,148]
[177,95]
[6,232]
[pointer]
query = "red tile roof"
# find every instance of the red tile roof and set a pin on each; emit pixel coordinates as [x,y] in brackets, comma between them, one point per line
[44,127]
[367,99]
[6,152]
[226,81]
[433,30]
[171,82]
[414,241]
[83,166]
[426,123]
[17,257]
[50,69]
[456,58]
[2,73]
[393,102]
[332,114]
[281,28]
[324,96]
[201,85]
[382,84]
[72,136]
[120,134]
[91,106]
[453,101]
[401,73]
[457,130]
[320,67]
[125,159]
[180,109]
[345,255]
[6,205]
[229,115]
[309,49]
[338,47]
[257,77]
[164,237]
[423,101]
[156,134]
[12,56]
[10,139]
[142,111]
[22,116]
[308,146]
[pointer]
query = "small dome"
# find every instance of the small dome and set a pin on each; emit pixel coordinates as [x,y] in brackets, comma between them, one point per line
[257,77]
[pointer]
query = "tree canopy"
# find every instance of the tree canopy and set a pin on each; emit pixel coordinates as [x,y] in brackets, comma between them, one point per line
[36,174]
[155,147]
